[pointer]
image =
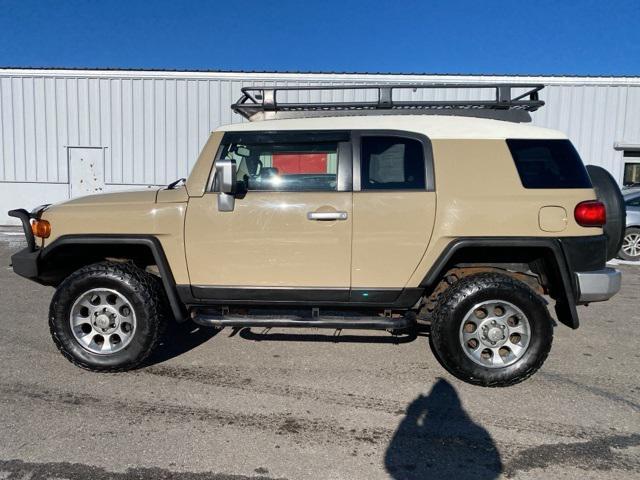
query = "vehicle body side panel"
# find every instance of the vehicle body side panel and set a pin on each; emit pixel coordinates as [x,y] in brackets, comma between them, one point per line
[391,231]
[479,194]
[128,213]
[268,241]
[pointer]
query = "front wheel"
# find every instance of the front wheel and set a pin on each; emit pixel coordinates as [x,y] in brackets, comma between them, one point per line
[491,330]
[107,316]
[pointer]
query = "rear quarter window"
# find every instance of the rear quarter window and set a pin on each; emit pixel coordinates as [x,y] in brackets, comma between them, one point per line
[548,164]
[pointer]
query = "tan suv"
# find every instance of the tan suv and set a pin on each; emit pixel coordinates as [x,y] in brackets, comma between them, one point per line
[455,222]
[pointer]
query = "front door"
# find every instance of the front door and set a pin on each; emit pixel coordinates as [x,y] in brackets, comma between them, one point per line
[289,235]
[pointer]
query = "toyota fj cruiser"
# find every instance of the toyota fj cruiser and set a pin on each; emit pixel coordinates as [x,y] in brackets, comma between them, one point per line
[344,215]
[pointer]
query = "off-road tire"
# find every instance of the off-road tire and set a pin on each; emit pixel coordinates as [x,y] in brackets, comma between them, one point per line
[449,314]
[144,292]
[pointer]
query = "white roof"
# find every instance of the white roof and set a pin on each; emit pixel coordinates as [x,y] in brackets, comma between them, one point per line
[433,126]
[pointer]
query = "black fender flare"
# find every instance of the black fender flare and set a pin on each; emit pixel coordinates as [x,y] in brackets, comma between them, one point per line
[152,243]
[565,282]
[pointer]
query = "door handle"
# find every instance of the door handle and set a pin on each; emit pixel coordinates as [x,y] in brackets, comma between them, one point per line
[327,216]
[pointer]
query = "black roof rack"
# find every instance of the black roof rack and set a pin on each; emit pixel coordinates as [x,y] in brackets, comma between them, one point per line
[260,103]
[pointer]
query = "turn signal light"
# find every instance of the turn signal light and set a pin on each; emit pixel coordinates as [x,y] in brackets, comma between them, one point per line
[590,214]
[41,228]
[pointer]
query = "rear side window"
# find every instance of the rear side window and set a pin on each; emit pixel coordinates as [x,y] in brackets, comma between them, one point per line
[548,164]
[391,163]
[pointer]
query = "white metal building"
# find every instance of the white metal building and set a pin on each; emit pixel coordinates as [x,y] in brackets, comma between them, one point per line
[66,133]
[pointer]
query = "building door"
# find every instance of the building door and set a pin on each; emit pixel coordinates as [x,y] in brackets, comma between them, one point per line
[86,171]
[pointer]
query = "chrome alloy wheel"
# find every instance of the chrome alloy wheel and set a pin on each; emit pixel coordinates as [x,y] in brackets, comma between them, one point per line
[631,244]
[102,321]
[495,334]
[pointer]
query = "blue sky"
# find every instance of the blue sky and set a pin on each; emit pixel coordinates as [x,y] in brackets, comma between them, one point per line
[482,36]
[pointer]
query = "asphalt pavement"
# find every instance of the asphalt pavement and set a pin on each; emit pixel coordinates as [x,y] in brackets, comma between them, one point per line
[311,404]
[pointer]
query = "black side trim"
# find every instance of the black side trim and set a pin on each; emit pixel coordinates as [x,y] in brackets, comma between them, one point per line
[374,295]
[169,283]
[565,293]
[25,218]
[270,294]
[392,299]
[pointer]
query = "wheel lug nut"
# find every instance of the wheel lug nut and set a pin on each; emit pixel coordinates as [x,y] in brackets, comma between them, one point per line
[493,322]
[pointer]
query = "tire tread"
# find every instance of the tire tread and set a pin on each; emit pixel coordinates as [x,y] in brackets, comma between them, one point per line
[453,296]
[146,285]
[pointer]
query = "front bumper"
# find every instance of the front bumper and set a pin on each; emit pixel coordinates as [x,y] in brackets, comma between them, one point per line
[598,285]
[25,263]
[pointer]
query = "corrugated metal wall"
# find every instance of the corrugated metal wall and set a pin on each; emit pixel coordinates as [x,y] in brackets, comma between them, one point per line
[594,117]
[152,129]
[153,124]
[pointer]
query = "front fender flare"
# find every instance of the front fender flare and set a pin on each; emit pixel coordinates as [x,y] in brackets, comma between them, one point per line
[149,241]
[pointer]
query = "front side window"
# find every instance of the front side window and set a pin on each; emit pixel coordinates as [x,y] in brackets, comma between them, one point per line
[286,166]
[391,163]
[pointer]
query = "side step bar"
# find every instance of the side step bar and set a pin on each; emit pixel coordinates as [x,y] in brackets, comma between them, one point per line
[293,321]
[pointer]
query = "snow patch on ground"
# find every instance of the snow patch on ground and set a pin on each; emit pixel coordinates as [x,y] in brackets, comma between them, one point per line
[617,261]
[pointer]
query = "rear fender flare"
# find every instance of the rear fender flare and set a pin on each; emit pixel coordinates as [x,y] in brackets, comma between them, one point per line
[564,282]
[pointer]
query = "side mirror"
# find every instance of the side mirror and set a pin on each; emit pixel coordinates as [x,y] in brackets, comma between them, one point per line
[226,183]
[226,175]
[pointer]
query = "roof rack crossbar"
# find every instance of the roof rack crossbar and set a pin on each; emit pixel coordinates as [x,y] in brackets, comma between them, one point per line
[255,102]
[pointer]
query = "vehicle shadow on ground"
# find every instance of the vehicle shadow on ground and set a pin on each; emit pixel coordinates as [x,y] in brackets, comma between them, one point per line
[179,339]
[437,439]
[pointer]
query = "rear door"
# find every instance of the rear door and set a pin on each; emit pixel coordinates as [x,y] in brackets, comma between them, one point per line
[394,205]
[289,236]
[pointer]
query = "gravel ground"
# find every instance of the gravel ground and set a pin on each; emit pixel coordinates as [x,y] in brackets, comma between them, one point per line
[310,405]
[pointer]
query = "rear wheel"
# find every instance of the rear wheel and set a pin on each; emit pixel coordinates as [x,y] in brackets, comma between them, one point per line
[107,316]
[630,249]
[492,330]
